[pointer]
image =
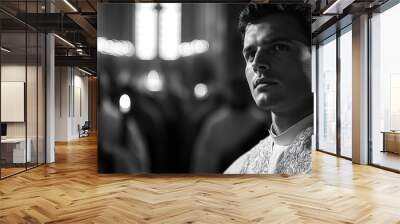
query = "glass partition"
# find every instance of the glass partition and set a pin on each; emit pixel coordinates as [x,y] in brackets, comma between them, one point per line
[14,151]
[31,99]
[385,89]
[346,93]
[327,95]
[22,88]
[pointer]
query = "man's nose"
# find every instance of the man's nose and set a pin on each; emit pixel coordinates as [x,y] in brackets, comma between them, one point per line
[260,64]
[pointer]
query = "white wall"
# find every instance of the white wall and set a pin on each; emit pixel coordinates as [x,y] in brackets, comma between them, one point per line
[71,87]
[10,73]
[62,81]
[17,73]
[79,110]
[81,82]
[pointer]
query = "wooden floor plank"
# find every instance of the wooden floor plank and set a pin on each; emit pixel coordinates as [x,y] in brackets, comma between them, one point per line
[71,191]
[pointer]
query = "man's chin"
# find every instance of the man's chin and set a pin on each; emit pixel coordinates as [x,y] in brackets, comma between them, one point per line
[264,102]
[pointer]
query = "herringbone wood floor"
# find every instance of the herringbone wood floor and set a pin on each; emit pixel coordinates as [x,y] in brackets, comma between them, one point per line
[71,191]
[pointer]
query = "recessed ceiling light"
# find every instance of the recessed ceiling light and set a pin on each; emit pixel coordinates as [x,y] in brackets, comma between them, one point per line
[5,50]
[337,7]
[70,5]
[64,40]
[84,71]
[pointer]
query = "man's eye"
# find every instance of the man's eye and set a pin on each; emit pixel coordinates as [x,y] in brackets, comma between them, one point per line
[281,47]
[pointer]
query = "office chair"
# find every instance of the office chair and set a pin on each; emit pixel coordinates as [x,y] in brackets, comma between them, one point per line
[84,130]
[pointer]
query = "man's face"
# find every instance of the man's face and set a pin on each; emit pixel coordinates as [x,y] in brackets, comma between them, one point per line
[277,63]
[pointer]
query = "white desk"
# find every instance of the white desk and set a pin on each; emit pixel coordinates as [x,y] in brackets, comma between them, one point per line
[18,145]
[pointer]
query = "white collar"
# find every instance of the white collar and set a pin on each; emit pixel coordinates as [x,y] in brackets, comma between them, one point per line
[287,137]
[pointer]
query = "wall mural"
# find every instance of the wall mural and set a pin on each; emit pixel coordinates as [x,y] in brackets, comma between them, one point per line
[204,88]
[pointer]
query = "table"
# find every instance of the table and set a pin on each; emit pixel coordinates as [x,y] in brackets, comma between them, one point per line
[391,141]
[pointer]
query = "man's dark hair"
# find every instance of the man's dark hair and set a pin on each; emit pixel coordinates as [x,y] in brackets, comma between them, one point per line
[253,13]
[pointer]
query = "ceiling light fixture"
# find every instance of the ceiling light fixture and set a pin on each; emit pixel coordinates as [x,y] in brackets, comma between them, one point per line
[337,7]
[64,40]
[5,50]
[70,5]
[84,71]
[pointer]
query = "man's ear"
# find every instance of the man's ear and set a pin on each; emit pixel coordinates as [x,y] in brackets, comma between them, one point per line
[305,57]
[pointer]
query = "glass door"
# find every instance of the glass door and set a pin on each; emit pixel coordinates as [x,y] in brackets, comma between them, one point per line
[22,88]
[14,154]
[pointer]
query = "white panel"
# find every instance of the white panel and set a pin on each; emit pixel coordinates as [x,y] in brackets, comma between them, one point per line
[12,101]
[77,102]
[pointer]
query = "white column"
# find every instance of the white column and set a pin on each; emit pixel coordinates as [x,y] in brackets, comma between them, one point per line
[50,99]
[50,93]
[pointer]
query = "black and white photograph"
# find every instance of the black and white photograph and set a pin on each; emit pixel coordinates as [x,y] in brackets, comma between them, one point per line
[205,88]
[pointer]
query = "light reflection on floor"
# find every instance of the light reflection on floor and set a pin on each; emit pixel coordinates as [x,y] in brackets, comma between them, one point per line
[386,159]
